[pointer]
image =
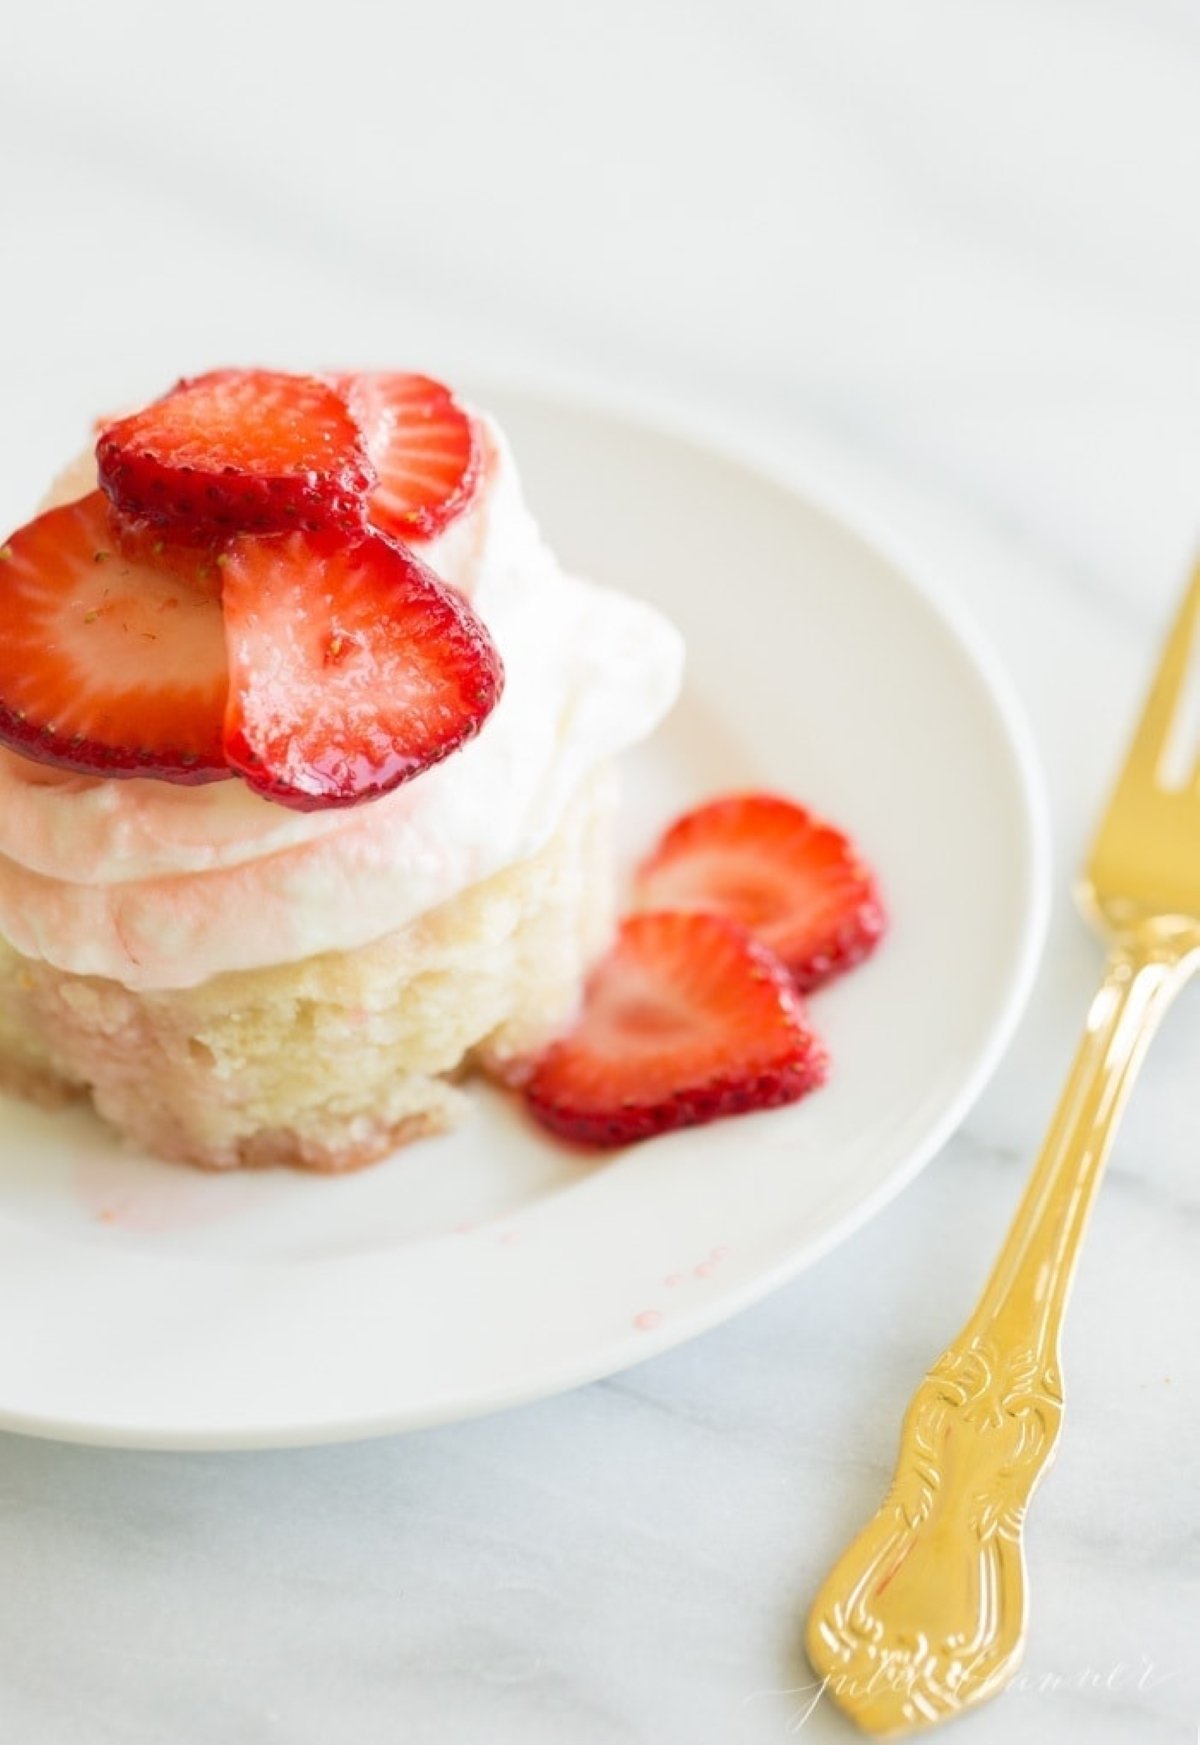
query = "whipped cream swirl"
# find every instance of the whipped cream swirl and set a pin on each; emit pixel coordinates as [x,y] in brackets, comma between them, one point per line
[159,886]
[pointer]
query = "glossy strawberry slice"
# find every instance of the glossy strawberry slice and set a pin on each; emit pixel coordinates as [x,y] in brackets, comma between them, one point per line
[687,1019]
[108,664]
[424,446]
[190,555]
[797,883]
[239,451]
[351,667]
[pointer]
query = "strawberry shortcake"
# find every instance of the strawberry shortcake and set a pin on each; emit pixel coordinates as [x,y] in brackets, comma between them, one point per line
[306,770]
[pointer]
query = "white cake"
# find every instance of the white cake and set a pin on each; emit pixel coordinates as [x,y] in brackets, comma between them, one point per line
[235,982]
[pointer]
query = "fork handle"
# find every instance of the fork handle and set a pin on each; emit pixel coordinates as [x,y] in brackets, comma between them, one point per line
[924,1614]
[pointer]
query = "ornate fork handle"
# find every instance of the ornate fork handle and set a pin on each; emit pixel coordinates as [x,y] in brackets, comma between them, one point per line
[924,1613]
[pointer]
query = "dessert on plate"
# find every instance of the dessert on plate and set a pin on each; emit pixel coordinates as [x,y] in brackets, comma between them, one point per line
[306,770]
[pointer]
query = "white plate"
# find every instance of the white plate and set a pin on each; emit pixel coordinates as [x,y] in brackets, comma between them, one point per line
[151,1305]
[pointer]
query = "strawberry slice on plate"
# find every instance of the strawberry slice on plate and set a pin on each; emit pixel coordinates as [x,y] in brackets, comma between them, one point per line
[687,1019]
[250,451]
[108,664]
[351,667]
[797,883]
[424,447]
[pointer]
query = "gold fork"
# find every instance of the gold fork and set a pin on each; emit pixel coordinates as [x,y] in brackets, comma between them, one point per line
[924,1614]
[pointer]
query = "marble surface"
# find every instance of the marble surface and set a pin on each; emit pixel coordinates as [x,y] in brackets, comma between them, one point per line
[944,256]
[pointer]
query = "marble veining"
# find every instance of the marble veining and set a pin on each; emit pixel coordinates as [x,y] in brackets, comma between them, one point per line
[940,259]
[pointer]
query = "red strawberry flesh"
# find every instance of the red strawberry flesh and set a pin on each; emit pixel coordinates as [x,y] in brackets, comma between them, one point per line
[796,882]
[352,668]
[191,557]
[108,665]
[424,446]
[686,1020]
[239,451]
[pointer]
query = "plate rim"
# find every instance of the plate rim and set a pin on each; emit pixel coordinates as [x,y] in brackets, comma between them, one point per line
[909,570]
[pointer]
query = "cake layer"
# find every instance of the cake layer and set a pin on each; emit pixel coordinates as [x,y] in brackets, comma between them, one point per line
[331,1062]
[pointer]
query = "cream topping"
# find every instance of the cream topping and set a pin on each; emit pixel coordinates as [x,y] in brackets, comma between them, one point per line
[159,886]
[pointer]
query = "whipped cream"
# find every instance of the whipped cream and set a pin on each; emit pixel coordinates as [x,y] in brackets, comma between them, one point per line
[159,886]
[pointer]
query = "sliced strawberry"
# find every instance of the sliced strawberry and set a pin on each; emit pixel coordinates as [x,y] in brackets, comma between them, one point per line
[687,1019]
[424,446]
[797,883]
[107,665]
[186,554]
[248,451]
[351,667]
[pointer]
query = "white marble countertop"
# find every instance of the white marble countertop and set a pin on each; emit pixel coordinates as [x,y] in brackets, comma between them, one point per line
[946,251]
